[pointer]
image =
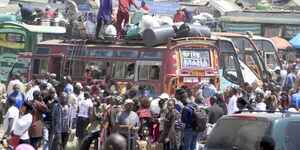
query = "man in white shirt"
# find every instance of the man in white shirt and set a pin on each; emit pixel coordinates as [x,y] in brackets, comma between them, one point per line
[11,117]
[260,105]
[12,83]
[232,106]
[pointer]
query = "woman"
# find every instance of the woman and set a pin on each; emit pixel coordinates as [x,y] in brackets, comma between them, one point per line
[85,109]
[145,117]
[22,125]
[168,136]
[284,101]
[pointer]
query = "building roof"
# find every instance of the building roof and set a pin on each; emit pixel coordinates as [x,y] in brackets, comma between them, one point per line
[224,6]
[36,28]
[267,17]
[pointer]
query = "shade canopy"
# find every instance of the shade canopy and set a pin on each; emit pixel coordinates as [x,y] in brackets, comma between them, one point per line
[295,41]
[281,43]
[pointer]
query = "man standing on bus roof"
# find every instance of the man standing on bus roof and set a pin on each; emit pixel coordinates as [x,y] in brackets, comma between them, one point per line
[104,14]
[123,14]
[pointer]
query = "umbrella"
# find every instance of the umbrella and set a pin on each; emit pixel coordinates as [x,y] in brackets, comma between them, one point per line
[295,41]
[281,43]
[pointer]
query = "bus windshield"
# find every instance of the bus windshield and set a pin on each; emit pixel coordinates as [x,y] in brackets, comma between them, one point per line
[195,58]
[242,44]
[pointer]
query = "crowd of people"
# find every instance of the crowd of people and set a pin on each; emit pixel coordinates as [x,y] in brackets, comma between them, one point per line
[48,113]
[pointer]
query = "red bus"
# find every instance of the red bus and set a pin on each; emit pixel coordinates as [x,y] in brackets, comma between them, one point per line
[162,69]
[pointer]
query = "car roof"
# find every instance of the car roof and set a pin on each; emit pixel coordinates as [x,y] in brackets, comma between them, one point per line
[266,115]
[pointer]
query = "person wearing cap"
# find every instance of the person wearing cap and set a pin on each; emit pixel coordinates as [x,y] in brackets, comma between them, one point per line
[277,76]
[145,6]
[260,105]
[179,16]
[50,13]
[37,127]
[128,123]
[112,114]
[188,15]
[28,14]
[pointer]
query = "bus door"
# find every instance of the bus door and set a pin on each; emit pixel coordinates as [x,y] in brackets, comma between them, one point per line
[230,70]
[56,66]
[149,71]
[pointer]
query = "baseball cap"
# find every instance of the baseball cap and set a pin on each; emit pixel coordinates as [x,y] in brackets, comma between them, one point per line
[128,101]
[164,96]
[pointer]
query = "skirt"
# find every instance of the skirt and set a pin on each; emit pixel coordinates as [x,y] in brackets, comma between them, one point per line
[81,125]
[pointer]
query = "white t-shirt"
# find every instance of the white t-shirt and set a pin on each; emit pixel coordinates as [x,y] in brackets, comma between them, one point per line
[12,112]
[22,126]
[261,106]
[232,106]
[29,94]
[84,106]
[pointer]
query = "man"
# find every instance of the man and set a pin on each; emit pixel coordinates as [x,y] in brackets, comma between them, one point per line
[50,14]
[209,90]
[215,112]
[296,98]
[112,114]
[50,100]
[128,123]
[2,90]
[190,135]
[144,6]
[12,115]
[20,97]
[123,14]
[179,16]
[104,14]
[11,84]
[241,105]
[115,142]
[260,105]
[126,89]
[289,81]
[188,15]
[37,126]
[28,14]
[62,121]
[69,87]
[2,100]
[232,106]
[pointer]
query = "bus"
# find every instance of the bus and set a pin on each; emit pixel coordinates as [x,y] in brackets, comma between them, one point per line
[161,69]
[248,53]
[17,38]
[233,71]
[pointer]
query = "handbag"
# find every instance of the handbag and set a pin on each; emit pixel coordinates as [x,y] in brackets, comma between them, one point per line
[14,140]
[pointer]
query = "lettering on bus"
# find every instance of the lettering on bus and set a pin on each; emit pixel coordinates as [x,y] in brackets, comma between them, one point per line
[195,58]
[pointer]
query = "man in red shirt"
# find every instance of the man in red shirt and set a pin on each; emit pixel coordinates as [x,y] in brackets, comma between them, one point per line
[144,6]
[179,16]
[123,14]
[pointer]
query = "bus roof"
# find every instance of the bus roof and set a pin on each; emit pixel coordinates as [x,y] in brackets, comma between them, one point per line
[35,28]
[61,42]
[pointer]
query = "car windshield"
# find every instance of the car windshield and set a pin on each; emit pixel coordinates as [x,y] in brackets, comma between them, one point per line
[237,134]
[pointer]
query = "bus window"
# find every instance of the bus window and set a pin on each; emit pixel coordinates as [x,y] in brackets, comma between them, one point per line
[15,37]
[101,68]
[250,61]
[230,71]
[74,68]
[271,61]
[148,72]
[40,66]
[124,70]
[242,44]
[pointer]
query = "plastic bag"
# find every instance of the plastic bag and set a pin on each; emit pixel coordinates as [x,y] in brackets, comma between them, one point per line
[133,32]
[110,30]
[8,17]
[137,16]
[147,22]
[90,27]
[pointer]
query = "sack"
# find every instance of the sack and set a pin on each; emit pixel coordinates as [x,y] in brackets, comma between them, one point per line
[199,119]
[183,31]
[14,140]
[133,33]
[137,16]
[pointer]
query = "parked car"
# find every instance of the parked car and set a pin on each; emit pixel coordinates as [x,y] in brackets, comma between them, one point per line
[244,131]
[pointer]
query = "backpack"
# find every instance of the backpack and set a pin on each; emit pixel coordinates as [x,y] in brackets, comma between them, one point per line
[199,119]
